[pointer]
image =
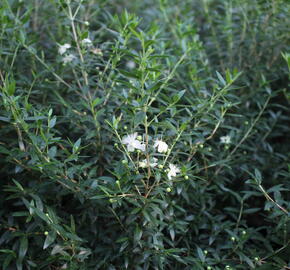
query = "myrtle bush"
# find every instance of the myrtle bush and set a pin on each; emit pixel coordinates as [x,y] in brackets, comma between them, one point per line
[144,134]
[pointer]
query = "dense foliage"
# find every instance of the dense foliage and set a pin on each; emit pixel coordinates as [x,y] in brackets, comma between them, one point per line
[144,134]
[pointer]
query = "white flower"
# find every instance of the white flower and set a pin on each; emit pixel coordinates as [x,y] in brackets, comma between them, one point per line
[132,142]
[130,65]
[162,147]
[154,162]
[63,48]
[173,170]
[144,164]
[87,42]
[225,139]
[97,51]
[68,58]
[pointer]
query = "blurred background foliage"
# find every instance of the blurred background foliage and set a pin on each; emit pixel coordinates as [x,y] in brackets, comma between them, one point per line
[71,198]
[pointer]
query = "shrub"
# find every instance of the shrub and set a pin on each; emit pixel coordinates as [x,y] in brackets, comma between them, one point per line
[150,142]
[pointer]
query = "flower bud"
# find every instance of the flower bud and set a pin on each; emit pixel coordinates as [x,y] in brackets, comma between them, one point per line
[46,233]
[233,239]
[168,189]
[186,177]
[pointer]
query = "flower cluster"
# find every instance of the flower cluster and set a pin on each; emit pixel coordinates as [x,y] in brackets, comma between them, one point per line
[173,171]
[67,58]
[133,141]
[162,147]
[144,164]
[63,48]
[130,65]
[87,42]
[225,139]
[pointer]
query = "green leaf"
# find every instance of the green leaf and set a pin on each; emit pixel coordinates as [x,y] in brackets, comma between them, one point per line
[73,236]
[49,239]
[178,96]
[72,224]
[38,212]
[84,35]
[35,118]
[243,257]
[228,76]
[172,234]
[99,197]
[97,101]
[11,88]
[139,118]
[5,119]
[148,43]
[221,79]
[8,251]
[147,216]
[4,150]
[201,254]
[106,178]
[258,176]
[52,152]
[122,239]
[23,248]
[52,122]
[127,74]
[7,261]
[154,87]
[18,185]
[19,265]
[77,145]
[168,125]
[137,234]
